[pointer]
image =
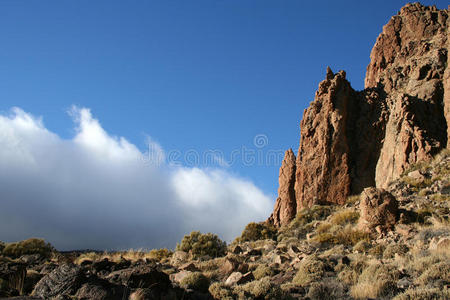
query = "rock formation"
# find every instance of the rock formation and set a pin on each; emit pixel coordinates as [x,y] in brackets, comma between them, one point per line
[285,206]
[351,139]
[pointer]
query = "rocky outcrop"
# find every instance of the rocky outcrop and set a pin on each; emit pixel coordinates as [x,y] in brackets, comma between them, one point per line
[379,210]
[409,62]
[351,139]
[285,206]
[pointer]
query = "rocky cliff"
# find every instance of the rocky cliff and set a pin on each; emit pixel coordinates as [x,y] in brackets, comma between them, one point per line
[351,139]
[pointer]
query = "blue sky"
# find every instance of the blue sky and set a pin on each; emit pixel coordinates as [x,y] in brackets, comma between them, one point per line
[192,75]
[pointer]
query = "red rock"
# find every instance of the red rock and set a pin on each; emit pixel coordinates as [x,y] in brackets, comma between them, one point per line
[351,140]
[285,206]
[379,210]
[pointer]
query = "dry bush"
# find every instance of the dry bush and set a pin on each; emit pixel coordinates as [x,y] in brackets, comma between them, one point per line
[262,271]
[259,289]
[343,217]
[199,245]
[392,249]
[311,269]
[377,250]
[29,246]
[328,289]
[353,199]
[376,281]
[257,231]
[219,290]
[362,246]
[435,273]
[347,236]
[196,281]
[424,294]
[348,276]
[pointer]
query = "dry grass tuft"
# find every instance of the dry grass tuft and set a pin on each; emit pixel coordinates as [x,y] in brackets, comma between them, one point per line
[311,269]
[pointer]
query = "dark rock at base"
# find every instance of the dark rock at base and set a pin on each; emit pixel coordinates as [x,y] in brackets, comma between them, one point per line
[64,280]
[141,277]
[100,289]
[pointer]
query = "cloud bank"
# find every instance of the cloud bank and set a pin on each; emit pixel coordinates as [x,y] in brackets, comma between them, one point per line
[95,190]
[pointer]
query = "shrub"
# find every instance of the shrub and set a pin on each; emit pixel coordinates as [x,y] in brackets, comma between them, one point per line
[343,217]
[160,254]
[362,246]
[30,246]
[259,289]
[377,251]
[219,290]
[326,290]
[435,272]
[353,199]
[258,231]
[348,276]
[311,269]
[315,213]
[262,271]
[202,244]
[346,236]
[392,249]
[376,281]
[424,294]
[196,281]
[2,246]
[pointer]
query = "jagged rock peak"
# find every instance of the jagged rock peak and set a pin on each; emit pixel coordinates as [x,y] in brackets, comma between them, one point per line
[351,140]
[285,206]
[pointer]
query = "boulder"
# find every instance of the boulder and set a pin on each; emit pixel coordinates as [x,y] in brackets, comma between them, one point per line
[239,278]
[379,210]
[64,280]
[98,289]
[145,276]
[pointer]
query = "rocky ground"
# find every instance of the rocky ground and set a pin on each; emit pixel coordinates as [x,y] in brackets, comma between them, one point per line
[378,245]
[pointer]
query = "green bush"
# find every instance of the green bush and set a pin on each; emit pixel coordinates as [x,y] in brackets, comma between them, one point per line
[258,231]
[2,246]
[196,281]
[199,245]
[30,246]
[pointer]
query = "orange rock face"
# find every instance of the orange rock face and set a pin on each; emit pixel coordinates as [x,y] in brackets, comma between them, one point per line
[285,206]
[351,140]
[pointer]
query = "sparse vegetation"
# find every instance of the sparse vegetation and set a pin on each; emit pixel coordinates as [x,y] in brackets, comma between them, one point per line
[257,231]
[343,217]
[199,245]
[262,271]
[219,291]
[311,269]
[29,246]
[376,281]
[196,281]
[259,289]
[341,236]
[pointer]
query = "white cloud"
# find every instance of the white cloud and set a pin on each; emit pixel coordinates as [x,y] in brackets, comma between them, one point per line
[98,191]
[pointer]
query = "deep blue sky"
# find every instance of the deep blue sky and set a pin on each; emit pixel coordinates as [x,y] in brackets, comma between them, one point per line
[191,74]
